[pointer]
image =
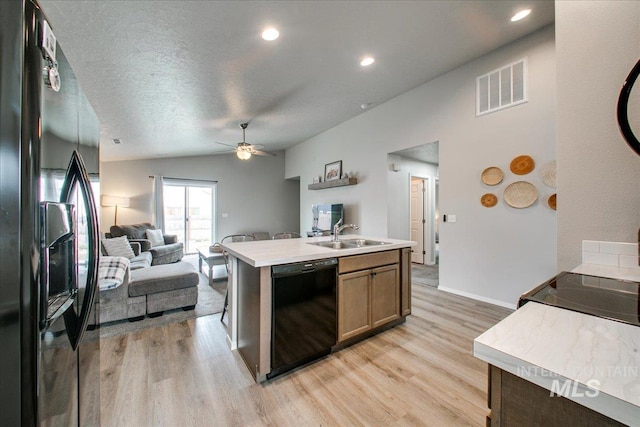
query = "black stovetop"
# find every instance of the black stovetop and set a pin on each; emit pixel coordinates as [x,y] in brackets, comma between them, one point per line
[598,296]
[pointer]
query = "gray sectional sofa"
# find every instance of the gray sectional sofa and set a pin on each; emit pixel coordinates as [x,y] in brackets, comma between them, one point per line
[149,290]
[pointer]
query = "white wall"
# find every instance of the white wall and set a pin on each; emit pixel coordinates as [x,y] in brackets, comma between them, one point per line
[493,254]
[254,193]
[599,175]
[399,192]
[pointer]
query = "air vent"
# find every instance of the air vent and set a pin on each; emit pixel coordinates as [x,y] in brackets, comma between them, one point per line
[502,88]
[116,141]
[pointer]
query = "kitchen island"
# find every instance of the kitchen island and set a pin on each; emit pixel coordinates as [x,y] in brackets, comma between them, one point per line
[373,290]
[556,366]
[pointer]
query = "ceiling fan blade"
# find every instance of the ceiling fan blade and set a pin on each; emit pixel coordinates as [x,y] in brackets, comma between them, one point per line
[263,153]
[228,145]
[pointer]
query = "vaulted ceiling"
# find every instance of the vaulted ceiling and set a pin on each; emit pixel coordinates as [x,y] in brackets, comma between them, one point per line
[169,78]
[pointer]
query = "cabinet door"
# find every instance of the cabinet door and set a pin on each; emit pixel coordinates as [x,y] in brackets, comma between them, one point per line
[405,308]
[353,304]
[385,295]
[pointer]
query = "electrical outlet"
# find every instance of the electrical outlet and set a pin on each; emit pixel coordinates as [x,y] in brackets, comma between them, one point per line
[451,218]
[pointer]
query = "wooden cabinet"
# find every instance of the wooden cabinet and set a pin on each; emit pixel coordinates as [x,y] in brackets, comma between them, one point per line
[385,295]
[354,293]
[369,296]
[514,401]
[405,279]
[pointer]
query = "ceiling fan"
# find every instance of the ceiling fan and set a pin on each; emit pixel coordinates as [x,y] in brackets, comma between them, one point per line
[244,150]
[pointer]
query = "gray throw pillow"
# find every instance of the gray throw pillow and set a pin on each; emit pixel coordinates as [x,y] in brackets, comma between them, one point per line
[155,237]
[118,246]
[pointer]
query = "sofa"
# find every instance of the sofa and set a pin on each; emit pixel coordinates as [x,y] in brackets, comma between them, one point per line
[147,290]
[169,251]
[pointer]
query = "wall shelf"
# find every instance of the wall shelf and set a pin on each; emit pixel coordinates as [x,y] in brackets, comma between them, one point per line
[333,183]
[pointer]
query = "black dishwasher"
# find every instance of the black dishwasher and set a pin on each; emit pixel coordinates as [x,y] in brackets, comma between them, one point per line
[303,322]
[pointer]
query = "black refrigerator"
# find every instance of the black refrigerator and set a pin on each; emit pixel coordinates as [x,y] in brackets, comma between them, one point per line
[49,240]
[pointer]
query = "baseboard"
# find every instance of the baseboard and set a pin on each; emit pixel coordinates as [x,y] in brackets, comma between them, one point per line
[230,343]
[478,297]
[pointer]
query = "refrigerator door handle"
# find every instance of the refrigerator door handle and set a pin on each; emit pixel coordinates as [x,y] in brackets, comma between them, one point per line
[622,109]
[77,175]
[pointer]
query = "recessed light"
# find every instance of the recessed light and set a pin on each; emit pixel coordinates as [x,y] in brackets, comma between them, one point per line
[367,60]
[270,34]
[520,15]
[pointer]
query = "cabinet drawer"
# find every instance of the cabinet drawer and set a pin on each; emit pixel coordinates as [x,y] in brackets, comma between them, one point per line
[363,262]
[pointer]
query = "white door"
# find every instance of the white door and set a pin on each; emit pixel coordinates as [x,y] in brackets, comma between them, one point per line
[417,219]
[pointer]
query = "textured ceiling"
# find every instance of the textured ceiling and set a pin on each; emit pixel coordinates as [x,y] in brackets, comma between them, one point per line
[429,153]
[169,78]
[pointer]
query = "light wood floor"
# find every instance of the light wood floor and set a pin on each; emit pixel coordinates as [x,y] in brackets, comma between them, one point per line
[419,373]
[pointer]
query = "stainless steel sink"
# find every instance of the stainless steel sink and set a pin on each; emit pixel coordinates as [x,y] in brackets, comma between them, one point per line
[333,245]
[363,242]
[349,243]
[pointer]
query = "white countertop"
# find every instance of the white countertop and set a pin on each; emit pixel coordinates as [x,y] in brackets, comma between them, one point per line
[544,344]
[262,253]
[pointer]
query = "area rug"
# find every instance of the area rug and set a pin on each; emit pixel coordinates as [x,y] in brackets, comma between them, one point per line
[210,301]
[425,274]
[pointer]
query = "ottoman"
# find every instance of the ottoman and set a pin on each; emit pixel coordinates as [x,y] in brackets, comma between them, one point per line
[166,287]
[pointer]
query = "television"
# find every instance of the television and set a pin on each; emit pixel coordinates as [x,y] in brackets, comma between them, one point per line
[325,217]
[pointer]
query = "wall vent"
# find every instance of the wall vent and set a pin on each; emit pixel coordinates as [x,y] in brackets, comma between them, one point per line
[502,88]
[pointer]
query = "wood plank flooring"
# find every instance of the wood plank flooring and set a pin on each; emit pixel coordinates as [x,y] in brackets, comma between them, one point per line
[421,373]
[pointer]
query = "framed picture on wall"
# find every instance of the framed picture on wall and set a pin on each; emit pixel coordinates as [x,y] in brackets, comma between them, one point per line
[333,170]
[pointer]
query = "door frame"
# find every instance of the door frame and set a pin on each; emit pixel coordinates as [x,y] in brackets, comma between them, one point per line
[186,183]
[428,214]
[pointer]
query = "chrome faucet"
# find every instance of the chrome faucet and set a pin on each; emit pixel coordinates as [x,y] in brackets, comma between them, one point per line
[338,227]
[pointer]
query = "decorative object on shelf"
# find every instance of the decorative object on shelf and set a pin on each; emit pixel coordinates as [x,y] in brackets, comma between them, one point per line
[344,176]
[492,175]
[489,200]
[333,183]
[552,200]
[332,171]
[316,179]
[522,165]
[520,194]
[548,174]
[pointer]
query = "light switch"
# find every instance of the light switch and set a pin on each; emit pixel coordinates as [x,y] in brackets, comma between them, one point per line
[451,218]
[225,215]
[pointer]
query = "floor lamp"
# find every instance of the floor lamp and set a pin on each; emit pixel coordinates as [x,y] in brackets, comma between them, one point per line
[116,201]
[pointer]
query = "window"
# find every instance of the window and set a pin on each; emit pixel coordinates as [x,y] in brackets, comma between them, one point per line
[502,88]
[189,211]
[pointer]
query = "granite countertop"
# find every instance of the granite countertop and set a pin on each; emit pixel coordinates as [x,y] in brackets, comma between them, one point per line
[545,344]
[263,253]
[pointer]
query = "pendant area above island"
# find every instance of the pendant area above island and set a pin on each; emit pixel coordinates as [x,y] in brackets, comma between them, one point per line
[368,290]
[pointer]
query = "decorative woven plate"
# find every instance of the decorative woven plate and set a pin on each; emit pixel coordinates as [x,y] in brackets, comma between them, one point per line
[522,165]
[489,200]
[520,194]
[548,174]
[552,201]
[492,175]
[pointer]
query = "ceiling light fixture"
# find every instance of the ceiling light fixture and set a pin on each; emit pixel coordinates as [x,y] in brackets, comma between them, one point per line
[270,34]
[367,60]
[520,15]
[243,153]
